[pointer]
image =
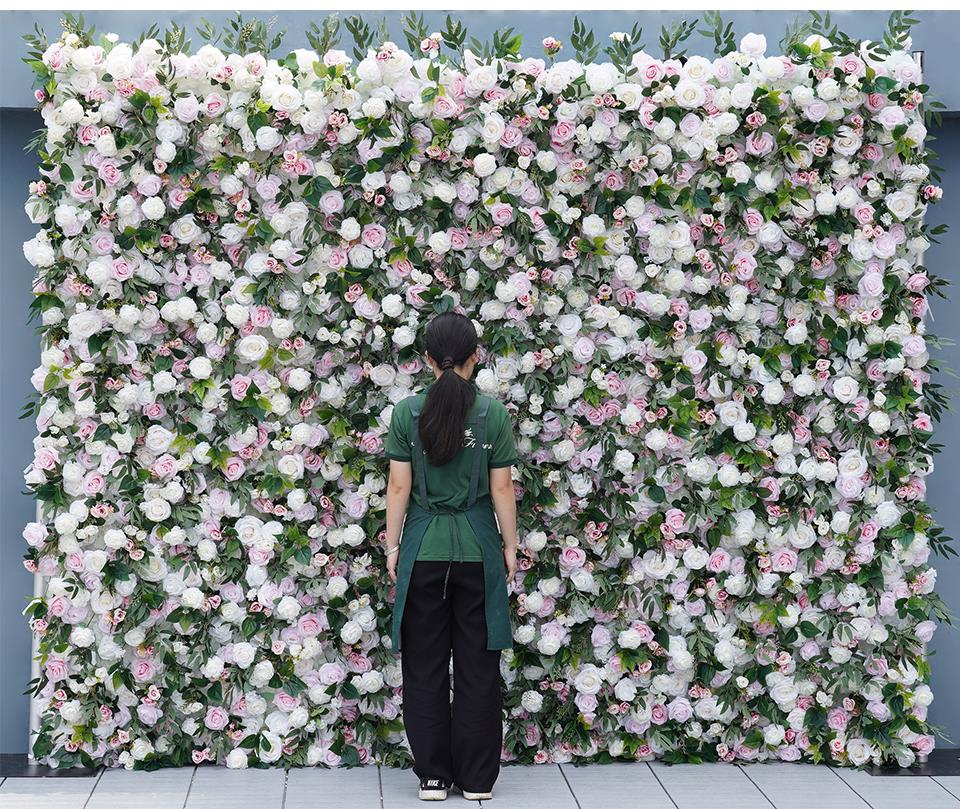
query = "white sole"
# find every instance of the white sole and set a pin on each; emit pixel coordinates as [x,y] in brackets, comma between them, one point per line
[478,796]
[432,794]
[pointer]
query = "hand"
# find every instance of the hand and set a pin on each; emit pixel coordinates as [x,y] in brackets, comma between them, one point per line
[510,561]
[392,566]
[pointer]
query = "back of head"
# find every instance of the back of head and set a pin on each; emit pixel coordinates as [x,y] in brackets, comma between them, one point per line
[450,341]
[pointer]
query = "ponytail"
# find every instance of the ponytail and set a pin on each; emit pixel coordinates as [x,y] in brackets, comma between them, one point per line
[450,340]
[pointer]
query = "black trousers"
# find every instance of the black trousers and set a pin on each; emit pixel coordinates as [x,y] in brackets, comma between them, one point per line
[459,742]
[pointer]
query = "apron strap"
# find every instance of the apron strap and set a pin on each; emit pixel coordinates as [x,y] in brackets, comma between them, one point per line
[419,471]
[479,453]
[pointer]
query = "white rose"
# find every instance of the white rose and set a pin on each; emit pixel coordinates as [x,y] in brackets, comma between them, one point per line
[901,204]
[213,668]
[589,680]
[336,586]
[192,598]
[286,98]
[625,690]
[753,45]
[185,229]
[237,759]
[287,608]
[252,348]
[879,421]
[268,138]
[299,379]
[291,466]
[156,510]
[82,636]
[200,368]
[244,654]
[84,325]
[532,701]
[845,389]
[629,639]
[484,164]
[158,439]
[71,111]
[153,208]
[689,94]
[351,632]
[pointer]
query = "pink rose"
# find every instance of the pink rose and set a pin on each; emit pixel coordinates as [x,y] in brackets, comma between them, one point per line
[373,236]
[216,718]
[143,669]
[331,202]
[46,458]
[502,213]
[110,174]
[149,185]
[924,744]
[784,561]
[837,719]
[214,105]
[56,669]
[676,519]
[186,109]
[680,710]
[93,483]
[719,561]
[239,386]
[331,673]
[572,559]
[285,702]
[234,469]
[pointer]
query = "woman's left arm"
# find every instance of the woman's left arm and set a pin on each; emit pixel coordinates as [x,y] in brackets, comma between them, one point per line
[399,485]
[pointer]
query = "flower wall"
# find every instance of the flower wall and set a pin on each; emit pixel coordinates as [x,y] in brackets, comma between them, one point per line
[699,291]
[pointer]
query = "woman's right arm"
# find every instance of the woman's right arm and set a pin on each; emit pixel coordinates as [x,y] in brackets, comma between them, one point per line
[505,507]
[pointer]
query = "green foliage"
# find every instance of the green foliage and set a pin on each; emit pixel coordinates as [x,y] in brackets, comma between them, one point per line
[243,36]
[674,35]
[724,40]
[454,34]
[585,45]
[75,24]
[362,34]
[326,36]
[505,45]
[175,39]
[897,33]
[795,33]
[414,31]
[622,49]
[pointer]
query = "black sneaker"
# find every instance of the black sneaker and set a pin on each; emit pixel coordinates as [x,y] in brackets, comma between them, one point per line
[474,796]
[432,789]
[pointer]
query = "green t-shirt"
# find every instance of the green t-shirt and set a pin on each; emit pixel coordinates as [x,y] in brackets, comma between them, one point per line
[448,486]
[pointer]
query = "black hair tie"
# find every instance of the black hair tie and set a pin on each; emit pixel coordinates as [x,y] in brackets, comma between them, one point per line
[447,363]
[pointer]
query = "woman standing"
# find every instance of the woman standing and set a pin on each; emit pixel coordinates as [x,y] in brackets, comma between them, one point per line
[451,455]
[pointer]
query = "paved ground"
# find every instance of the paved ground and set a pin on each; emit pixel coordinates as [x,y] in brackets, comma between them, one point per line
[612,786]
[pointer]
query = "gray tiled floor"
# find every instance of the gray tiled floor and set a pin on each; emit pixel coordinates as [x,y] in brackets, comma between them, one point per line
[611,786]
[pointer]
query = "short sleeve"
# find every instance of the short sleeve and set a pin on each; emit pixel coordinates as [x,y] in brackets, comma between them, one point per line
[504,450]
[398,444]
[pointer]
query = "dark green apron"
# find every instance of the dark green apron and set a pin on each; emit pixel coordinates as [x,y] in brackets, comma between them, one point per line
[479,512]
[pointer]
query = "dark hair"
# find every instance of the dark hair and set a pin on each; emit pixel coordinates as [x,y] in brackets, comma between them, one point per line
[450,339]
